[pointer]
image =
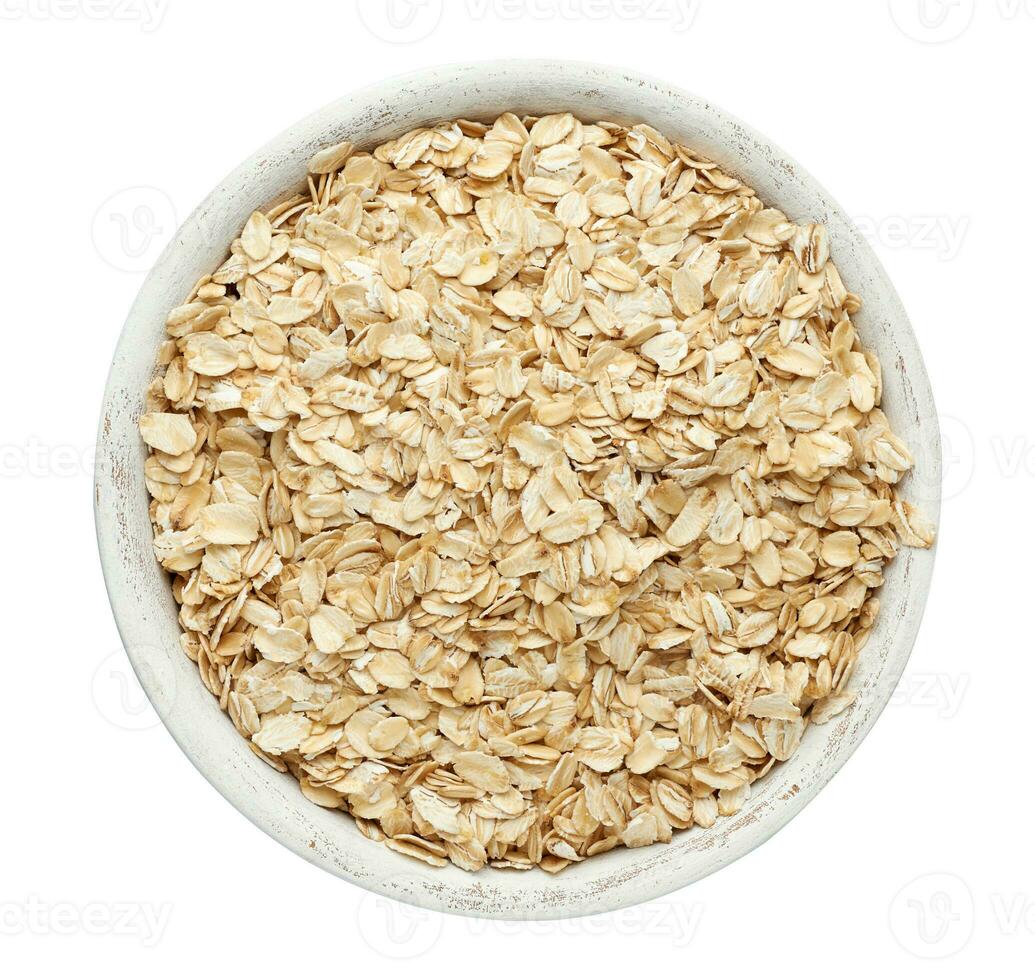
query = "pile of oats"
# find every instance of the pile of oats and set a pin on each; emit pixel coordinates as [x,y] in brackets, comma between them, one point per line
[525,488]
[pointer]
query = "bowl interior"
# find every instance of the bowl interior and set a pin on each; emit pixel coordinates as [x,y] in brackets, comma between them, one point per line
[139,589]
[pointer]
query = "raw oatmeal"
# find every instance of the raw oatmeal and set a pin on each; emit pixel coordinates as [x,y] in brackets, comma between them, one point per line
[525,488]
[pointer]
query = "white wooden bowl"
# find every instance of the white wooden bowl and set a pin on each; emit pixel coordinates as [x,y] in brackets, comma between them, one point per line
[140,592]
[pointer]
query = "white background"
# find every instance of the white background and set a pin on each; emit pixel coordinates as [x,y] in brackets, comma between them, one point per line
[116,857]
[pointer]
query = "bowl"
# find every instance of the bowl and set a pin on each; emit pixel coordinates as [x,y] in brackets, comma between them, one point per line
[140,591]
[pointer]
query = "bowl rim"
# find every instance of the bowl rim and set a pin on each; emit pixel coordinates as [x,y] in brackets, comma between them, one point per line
[552,898]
